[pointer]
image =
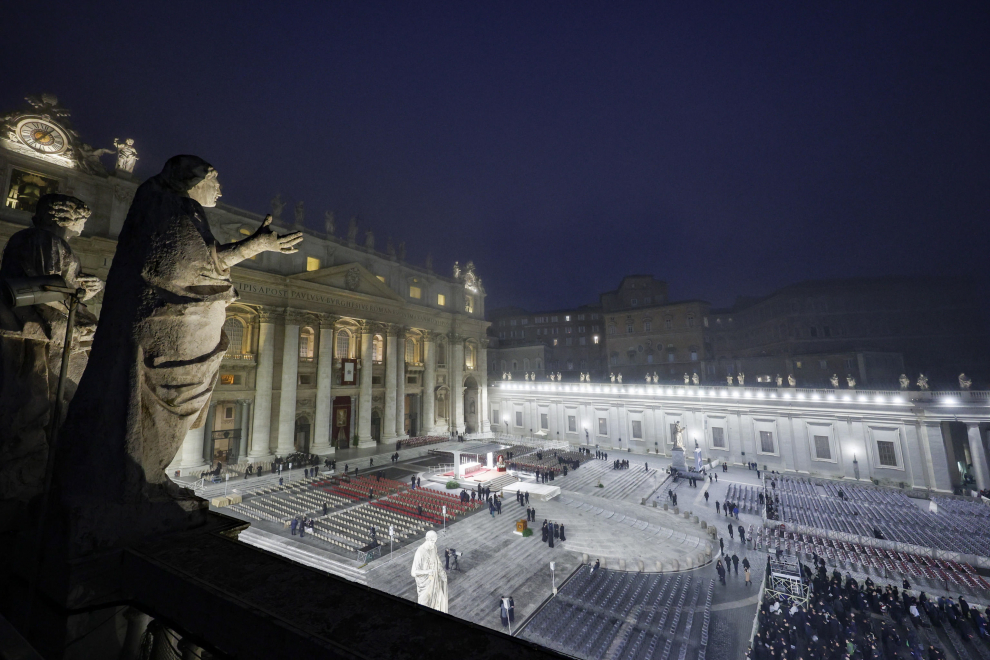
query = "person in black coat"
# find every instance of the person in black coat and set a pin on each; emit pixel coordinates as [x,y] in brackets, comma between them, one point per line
[503,612]
[562,537]
[544,531]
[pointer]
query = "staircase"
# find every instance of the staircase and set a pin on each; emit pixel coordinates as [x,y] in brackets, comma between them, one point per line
[302,554]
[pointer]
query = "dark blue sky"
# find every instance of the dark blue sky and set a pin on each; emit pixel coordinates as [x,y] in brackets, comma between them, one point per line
[727,148]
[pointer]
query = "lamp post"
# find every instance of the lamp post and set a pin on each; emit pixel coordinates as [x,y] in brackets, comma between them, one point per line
[553,579]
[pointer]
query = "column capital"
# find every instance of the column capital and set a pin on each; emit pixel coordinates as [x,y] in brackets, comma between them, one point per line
[244,402]
[391,329]
[369,327]
[455,338]
[484,342]
[268,314]
[296,316]
[429,336]
[402,332]
[327,321]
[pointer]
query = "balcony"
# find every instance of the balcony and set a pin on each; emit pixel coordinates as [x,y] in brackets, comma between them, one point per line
[245,359]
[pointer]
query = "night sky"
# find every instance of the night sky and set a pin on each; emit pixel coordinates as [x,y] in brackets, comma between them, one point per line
[729,149]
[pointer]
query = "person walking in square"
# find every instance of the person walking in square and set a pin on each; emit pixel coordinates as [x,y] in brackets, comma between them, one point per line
[731,532]
[735,511]
[742,534]
[721,571]
[717,507]
[295,524]
[706,498]
[721,544]
[735,563]
[746,567]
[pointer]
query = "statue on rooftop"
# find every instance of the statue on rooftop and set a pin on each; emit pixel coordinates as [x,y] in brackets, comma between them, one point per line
[964,382]
[300,214]
[402,250]
[904,381]
[790,380]
[32,342]
[728,380]
[527,375]
[126,155]
[390,247]
[647,379]
[780,381]
[687,379]
[352,230]
[850,381]
[277,206]
[369,239]
[431,579]
[922,382]
[694,379]
[155,360]
[741,378]
[835,381]
[656,379]
[612,376]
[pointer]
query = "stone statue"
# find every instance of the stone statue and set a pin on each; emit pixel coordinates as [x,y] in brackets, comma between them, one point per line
[780,381]
[329,223]
[694,379]
[126,155]
[687,379]
[965,383]
[429,262]
[790,380]
[457,270]
[922,382]
[352,230]
[277,206]
[582,376]
[32,342]
[741,378]
[527,376]
[612,376]
[678,435]
[369,239]
[619,377]
[728,380]
[647,379]
[656,379]
[835,381]
[431,579]
[850,381]
[88,158]
[154,362]
[402,250]
[390,248]
[904,381]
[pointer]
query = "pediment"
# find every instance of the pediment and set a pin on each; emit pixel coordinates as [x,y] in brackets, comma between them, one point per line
[349,277]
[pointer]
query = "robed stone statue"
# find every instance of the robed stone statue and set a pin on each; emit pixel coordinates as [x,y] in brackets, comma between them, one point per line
[430,576]
[154,361]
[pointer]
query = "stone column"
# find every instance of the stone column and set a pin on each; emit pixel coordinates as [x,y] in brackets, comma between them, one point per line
[456,370]
[400,383]
[290,379]
[391,359]
[324,382]
[193,447]
[261,423]
[484,423]
[242,450]
[977,453]
[428,423]
[364,399]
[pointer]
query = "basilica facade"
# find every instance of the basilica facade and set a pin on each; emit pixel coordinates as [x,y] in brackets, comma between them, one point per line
[338,345]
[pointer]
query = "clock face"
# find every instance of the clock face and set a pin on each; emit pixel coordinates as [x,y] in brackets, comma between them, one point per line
[43,136]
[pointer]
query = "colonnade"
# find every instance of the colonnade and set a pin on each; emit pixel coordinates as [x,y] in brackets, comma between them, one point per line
[255,415]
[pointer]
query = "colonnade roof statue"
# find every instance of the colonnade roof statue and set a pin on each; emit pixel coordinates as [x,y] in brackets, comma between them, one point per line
[31,345]
[154,361]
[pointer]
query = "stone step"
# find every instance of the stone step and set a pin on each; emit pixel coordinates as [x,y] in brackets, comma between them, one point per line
[301,553]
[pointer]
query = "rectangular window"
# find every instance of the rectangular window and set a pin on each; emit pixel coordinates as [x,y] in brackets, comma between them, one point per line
[495,418]
[415,292]
[228,412]
[553,319]
[718,437]
[568,330]
[886,454]
[602,426]
[849,363]
[580,317]
[647,326]
[629,329]
[469,304]
[568,341]
[582,340]
[228,379]
[305,379]
[571,424]
[637,429]
[567,317]
[441,299]
[823,449]
[519,418]
[595,339]
[523,321]
[766,442]
[312,263]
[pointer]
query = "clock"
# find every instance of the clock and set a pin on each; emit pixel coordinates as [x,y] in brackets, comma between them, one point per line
[42,135]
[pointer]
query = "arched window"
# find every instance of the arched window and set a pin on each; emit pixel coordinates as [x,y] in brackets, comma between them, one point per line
[234,328]
[690,320]
[611,329]
[377,349]
[515,366]
[307,341]
[343,344]
[470,356]
[525,364]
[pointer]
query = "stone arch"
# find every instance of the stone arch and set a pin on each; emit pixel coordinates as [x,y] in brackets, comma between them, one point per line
[303,437]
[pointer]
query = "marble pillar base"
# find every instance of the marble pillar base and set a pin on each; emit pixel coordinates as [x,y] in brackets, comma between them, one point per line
[366,443]
[328,450]
[677,459]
